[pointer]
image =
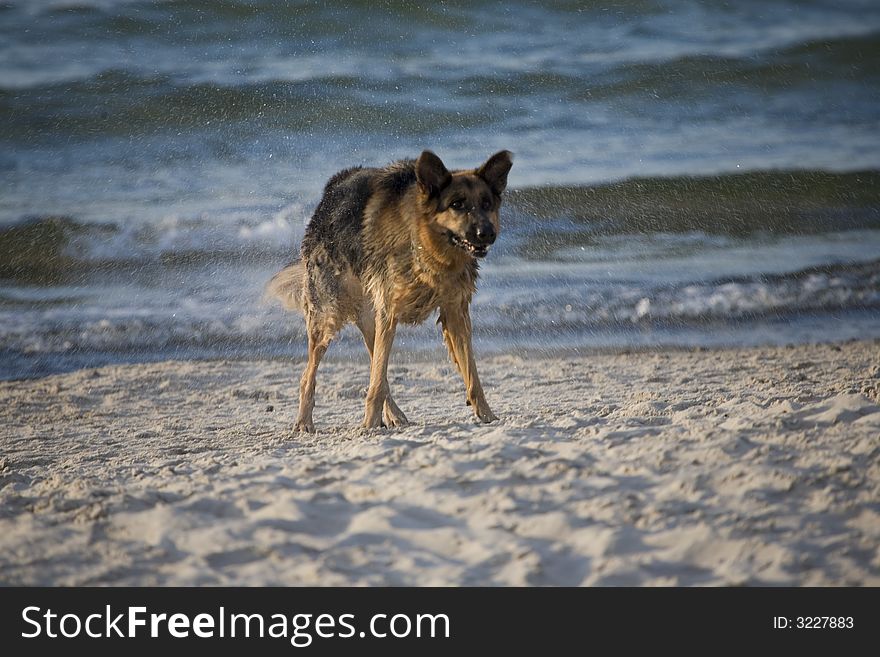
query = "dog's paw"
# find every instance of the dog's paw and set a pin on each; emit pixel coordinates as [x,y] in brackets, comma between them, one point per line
[304,426]
[486,416]
[393,416]
[373,421]
[395,422]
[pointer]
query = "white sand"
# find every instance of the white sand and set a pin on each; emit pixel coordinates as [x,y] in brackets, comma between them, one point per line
[756,466]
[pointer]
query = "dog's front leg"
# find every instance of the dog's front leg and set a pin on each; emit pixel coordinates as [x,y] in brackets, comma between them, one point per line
[377,393]
[456,323]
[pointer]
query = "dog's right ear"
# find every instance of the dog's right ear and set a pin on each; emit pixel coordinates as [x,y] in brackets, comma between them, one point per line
[431,174]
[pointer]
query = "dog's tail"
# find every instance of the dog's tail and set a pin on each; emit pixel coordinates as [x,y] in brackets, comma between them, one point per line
[288,286]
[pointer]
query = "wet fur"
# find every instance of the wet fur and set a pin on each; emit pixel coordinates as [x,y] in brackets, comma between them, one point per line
[391,245]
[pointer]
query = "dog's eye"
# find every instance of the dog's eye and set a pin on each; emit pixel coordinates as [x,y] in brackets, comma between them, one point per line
[457,205]
[487,204]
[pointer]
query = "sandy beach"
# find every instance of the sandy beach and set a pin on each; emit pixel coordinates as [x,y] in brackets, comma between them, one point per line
[673,468]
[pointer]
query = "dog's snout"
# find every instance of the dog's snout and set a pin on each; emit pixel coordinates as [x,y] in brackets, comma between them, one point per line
[485,232]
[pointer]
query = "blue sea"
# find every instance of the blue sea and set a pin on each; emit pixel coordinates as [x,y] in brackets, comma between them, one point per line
[686,174]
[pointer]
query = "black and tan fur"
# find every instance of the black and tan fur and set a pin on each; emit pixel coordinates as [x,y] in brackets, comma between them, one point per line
[391,245]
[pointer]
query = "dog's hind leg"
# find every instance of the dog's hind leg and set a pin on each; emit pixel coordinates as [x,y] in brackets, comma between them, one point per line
[392,415]
[456,322]
[321,330]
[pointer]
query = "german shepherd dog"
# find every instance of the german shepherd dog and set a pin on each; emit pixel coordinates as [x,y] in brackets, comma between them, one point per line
[390,245]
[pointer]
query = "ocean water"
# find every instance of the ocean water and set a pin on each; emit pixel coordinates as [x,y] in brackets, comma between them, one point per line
[686,173]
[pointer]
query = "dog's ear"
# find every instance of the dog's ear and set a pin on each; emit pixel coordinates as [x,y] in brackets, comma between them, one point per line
[495,171]
[431,174]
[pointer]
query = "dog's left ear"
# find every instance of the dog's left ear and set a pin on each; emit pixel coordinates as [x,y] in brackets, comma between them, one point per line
[495,171]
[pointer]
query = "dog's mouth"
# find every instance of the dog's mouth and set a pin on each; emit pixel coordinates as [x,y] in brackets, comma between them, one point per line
[476,250]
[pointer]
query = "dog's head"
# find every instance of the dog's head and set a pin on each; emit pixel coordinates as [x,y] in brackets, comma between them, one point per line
[465,204]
